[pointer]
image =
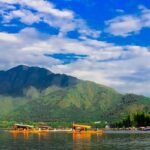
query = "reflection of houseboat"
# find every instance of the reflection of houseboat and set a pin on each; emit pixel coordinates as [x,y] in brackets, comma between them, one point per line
[80,128]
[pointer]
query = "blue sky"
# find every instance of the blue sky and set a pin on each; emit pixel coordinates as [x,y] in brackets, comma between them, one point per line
[103,41]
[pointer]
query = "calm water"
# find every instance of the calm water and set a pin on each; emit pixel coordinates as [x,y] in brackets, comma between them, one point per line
[68,141]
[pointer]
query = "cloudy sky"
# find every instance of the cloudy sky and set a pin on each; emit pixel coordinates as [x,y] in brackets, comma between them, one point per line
[106,41]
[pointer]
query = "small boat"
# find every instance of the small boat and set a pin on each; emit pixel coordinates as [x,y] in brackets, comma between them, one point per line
[147,129]
[85,129]
[144,128]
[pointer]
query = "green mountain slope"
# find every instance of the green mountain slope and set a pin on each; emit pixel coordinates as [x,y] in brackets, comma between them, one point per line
[78,101]
[84,102]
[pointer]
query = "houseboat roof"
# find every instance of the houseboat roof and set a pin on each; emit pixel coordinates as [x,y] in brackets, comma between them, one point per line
[23,125]
[82,126]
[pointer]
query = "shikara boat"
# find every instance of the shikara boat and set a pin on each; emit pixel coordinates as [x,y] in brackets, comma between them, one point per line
[85,129]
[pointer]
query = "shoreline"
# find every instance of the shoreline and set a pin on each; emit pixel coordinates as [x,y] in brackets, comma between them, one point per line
[71,131]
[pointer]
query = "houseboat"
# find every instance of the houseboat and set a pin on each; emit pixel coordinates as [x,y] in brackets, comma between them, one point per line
[23,128]
[82,128]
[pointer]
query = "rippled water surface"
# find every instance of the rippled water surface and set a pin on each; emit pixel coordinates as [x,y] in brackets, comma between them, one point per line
[69,141]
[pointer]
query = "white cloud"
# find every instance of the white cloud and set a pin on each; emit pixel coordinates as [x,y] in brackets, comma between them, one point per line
[44,11]
[124,26]
[128,24]
[41,6]
[46,7]
[145,16]
[8,37]
[11,52]
[25,16]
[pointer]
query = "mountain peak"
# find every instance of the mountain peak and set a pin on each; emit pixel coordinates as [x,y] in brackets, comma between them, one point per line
[26,68]
[15,80]
[22,66]
[19,67]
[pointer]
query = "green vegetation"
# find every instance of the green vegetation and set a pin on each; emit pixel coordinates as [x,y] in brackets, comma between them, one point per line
[85,102]
[134,120]
[6,124]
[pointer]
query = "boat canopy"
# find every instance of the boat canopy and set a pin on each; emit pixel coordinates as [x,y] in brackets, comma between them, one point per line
[81,126]
[23,126]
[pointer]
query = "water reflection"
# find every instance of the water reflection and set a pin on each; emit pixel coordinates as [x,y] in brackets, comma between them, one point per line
[79,136]
[75,141]
[83,140]
[27,135]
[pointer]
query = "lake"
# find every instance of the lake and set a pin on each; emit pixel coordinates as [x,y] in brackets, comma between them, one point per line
[67,141]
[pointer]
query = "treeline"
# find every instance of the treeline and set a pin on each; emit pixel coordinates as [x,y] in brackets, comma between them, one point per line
[134,120]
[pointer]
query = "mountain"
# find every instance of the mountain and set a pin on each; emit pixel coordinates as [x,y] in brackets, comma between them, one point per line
[36,94]
[16,80]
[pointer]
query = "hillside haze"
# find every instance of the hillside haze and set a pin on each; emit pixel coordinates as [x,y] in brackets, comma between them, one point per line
[36,94]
